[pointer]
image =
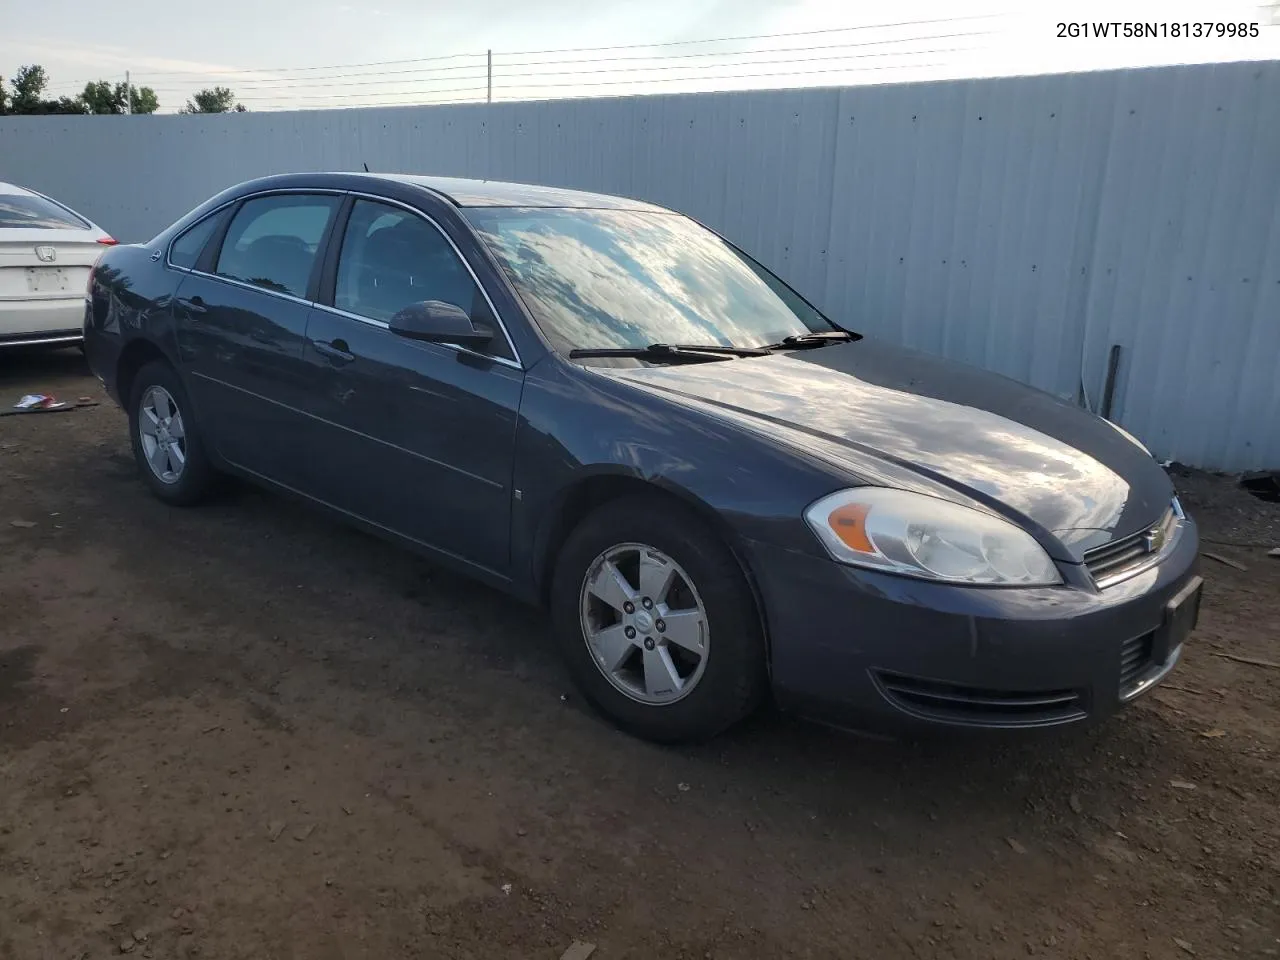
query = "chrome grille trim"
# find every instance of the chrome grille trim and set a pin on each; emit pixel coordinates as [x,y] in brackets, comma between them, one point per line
[1120,559]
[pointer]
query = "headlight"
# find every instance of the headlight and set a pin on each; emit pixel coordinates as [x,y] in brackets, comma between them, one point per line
[921,536]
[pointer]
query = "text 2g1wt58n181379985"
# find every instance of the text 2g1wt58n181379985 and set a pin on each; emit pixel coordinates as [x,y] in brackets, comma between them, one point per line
[1155,30]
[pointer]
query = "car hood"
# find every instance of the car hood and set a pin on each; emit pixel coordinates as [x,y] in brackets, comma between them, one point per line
[1016,450]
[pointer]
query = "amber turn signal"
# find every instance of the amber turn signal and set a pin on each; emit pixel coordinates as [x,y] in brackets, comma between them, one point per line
[849,523]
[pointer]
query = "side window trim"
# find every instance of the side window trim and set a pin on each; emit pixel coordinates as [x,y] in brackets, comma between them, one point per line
[209,255]
[456,347]
[333,250]
[209,240]
[328,293]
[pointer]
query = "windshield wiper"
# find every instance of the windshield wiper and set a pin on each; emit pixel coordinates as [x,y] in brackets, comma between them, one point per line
[821,338]
[672,352]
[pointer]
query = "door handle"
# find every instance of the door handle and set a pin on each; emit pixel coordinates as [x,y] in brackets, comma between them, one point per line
[335,350]
[192,305]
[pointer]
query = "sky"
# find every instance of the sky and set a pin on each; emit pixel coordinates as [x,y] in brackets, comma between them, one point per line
[301,54]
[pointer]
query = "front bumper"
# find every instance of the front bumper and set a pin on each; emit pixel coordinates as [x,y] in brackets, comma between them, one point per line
[864,649]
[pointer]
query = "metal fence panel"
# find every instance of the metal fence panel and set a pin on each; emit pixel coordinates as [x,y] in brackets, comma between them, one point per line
[1022,224]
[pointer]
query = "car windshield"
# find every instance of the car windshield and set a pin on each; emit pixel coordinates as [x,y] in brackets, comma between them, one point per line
[628,278]
[26,210]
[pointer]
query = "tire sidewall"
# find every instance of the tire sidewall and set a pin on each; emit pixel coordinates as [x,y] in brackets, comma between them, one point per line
[735,674]
[194,482]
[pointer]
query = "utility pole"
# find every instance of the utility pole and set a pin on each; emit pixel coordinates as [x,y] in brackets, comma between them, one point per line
[488,95]
[128,93]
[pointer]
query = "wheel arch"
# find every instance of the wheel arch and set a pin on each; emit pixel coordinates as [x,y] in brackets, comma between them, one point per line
[587,493]
[137,353]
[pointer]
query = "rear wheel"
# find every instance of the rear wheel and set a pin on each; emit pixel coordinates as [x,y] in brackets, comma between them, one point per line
[657,621]
[166,438]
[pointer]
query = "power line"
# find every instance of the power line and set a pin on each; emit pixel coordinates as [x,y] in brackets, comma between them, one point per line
[262,86]
[726,66]
[508,99]
[628,46]
[737,53]
[476,99]
[765,36]
[278,103]
[374,93]
[344,84]
[735,76]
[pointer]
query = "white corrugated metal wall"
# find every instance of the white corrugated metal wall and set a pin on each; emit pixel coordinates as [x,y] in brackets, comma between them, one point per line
[1022,224]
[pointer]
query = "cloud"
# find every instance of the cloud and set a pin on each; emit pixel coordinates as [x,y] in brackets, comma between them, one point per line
[119,58]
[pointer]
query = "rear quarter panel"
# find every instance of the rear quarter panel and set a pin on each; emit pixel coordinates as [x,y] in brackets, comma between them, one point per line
[130,298]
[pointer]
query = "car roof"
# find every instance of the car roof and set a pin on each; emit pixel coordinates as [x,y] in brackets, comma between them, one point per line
[463,192]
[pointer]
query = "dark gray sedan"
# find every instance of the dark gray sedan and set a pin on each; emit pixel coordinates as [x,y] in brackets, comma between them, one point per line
[602,406]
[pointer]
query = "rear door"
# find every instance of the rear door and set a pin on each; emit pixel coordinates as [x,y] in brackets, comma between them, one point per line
[241,316]
[46,252]
[418,437]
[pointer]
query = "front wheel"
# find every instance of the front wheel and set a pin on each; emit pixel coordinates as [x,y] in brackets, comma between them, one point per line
[166,438]
[657,622]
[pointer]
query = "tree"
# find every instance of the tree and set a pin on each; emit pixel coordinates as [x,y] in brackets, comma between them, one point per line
[63,105]
[101,97]
[4,98]
[28,89]
[217,100]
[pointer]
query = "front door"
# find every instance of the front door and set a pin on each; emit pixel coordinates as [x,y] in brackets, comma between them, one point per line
[420,437]
[241,324]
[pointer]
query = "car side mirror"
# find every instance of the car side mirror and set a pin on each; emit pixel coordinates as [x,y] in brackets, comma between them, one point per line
[438,322]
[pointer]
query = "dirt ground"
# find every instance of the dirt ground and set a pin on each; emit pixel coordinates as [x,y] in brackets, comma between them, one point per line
[245,731]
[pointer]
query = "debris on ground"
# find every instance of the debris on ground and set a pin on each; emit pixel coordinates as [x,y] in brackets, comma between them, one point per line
[682,787]
[21,524]
[578,950]
[1252,661]
[1184,945]
[303,832]
[38,401]
[1015,846]
[274,829]
[506,888]
[1213,734]
[1263,484]
[1182,785]
[45,403]
[1073,801]
[1221,559]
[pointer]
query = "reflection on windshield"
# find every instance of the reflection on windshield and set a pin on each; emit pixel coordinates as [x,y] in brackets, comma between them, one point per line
[623,278]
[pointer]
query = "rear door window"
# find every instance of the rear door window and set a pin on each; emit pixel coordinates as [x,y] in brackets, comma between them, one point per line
[273,242]
[37,213]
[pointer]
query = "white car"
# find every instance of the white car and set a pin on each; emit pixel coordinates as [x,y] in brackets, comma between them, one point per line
[46,253]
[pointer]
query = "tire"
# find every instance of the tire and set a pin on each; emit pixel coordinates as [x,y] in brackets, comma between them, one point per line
[733,674]
[195,479]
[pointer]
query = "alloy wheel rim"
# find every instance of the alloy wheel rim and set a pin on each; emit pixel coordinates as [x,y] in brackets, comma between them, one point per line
[644,623]
[163,434]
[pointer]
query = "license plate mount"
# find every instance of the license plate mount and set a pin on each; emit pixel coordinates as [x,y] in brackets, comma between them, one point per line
[47,280]
[1181,614]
